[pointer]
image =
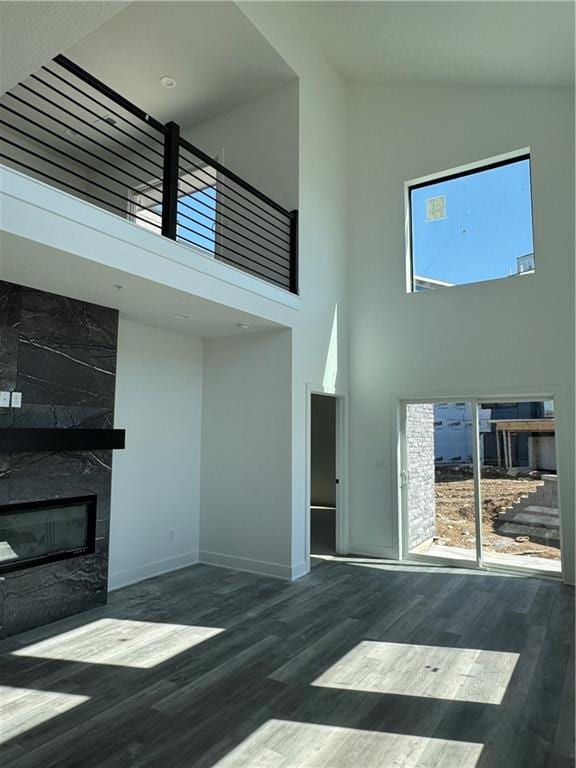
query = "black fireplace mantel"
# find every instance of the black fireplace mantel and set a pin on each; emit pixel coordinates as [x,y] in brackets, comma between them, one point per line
[31,439]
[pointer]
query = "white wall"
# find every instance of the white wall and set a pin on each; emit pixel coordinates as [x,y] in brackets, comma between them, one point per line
[245,520]
[509,336]
[73,180]
[34,32]
[258,140]
[319,336]
[156,479]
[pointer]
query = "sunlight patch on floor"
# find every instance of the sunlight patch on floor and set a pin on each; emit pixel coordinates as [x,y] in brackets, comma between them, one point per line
[455,674]
[287,744]
[22,709]
[120,642]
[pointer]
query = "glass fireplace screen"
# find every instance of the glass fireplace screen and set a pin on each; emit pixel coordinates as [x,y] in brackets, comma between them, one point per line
[42,531]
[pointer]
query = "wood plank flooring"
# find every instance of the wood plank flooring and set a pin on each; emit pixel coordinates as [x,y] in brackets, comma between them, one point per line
[359,665]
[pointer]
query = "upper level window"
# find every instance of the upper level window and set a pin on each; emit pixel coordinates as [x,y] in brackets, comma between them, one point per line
[471,224]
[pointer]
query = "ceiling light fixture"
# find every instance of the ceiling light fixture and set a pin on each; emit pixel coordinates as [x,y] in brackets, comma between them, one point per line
[242,326]
[167,82]
[181,317]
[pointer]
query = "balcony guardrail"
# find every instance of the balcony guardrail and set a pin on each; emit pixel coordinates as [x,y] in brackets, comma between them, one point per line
[64,126]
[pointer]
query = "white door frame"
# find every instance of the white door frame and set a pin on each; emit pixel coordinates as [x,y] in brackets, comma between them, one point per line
[342,509]
[403,479]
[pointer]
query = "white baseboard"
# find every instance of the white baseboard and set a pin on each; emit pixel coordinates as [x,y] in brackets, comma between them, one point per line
[373,550]
[261,567]
[300,570]
[129,576]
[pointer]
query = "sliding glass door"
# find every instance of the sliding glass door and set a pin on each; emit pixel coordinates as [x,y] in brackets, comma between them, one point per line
[479,483]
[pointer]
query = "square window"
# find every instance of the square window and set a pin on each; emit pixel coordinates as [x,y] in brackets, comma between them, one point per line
[471,224]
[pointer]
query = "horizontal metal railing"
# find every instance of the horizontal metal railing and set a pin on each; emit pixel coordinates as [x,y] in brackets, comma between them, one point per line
[64,126]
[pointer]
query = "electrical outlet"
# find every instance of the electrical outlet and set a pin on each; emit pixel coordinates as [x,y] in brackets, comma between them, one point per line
[171,535]
[16,400]
[4,399]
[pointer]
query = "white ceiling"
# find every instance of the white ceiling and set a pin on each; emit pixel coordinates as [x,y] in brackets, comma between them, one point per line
[33,31]
[143,301]
[216,55]
[468,42]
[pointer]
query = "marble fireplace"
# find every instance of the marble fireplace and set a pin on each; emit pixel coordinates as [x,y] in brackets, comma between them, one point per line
[60,353]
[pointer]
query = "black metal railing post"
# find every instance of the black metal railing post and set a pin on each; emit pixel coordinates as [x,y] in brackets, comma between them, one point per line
[294,251]
[170,180]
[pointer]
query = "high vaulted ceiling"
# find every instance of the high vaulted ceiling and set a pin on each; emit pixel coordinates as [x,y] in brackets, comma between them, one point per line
[33,31]
[216,56]
[485,43]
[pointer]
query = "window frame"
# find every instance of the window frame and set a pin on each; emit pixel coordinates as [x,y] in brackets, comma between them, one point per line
[488,164]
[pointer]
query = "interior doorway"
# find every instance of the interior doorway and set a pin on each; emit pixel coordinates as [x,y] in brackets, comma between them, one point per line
[480,483]
[323,475]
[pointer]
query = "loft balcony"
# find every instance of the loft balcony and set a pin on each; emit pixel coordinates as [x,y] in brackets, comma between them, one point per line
[68,129]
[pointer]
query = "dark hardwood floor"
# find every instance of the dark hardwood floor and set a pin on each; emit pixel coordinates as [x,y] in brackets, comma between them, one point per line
[355,666]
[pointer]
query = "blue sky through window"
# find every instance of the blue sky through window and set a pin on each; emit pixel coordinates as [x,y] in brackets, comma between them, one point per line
[201,208]
[195,216]
[485,226]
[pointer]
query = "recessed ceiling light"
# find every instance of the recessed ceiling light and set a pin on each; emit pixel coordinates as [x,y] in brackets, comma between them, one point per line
[242,326]
[167,82]
[181,317]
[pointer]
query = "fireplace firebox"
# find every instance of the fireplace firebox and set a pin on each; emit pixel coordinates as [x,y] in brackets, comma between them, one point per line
[38,532]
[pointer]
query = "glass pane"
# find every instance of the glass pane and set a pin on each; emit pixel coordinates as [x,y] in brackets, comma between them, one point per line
[473,227]
[519,485]
[440,481]
[27,534]
[196,215]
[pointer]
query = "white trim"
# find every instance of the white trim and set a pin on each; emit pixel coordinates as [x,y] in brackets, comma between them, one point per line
[342,468]
[300,570]
[476,165]
[373,550]
[477,475]
[408,239]
[261,567]
[401,486]
[124,578]
[484,394]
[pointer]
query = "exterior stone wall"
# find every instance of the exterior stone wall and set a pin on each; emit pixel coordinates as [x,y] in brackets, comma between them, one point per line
[421,479]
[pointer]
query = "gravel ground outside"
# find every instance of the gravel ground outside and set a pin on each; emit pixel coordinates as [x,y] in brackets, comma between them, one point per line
[455,526]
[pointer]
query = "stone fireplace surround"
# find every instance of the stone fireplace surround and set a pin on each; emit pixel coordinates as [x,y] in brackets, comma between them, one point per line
[60,353]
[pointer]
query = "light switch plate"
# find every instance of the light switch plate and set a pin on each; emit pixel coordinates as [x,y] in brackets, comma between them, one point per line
[4,399]
[16,400]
